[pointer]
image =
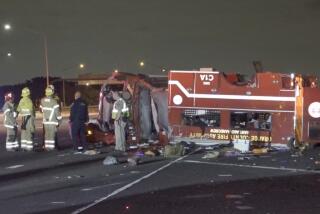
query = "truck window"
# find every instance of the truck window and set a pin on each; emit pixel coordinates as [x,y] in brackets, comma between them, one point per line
[251,120]
[201,117]
[287,83]
[239,120]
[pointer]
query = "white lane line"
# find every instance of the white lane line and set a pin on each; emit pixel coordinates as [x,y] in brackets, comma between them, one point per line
[233,196]
[257,167]
[102,186]
[225,175]
[14,166]
[117,191]
[58,202]
[244,207]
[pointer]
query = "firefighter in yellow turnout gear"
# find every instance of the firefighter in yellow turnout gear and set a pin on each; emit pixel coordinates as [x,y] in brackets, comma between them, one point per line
[57,98]
[120,113]
[51,118]
[10,123]
[27,112]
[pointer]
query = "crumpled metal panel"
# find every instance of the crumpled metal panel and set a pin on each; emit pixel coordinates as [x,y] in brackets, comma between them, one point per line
[160,99]
[145,114]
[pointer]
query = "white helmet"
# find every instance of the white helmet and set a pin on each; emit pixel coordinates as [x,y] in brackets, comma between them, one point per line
[52,87]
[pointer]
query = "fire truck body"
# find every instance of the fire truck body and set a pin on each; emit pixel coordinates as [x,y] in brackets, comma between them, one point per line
[271,107]
[146,97]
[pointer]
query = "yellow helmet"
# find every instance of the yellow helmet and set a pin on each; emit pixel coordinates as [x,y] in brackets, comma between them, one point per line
[25,92]
[49,91]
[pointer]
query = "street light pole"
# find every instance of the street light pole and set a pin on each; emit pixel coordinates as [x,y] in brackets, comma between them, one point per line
[46,57]
[63,92]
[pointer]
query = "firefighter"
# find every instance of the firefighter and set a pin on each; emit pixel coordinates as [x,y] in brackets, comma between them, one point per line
[51,119]
[27,112]
[10,123]
[57,98]
[107,103]
[120,114]
[78,117]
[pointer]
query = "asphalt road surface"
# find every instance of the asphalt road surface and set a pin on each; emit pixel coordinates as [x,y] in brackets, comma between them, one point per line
[64,182]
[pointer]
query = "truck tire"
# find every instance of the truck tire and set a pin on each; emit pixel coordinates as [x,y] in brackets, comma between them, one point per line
[292,143]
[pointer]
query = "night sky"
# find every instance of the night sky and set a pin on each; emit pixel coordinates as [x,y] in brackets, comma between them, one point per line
[175,34]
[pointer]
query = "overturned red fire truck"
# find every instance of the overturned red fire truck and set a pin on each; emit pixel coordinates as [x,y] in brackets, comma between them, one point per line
[210,106]
[271,107]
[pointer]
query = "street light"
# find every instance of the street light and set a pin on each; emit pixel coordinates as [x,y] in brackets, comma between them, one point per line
[81,66]
[142,64]
[9,54]
[8,27]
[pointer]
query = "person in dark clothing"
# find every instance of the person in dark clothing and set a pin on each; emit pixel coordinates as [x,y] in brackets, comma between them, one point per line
[78,117]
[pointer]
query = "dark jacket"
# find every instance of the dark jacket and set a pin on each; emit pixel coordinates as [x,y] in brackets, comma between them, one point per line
[79,111]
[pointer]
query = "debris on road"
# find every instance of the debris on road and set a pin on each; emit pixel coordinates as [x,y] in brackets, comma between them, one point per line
[211,155]
[150,153]
[110,160]
[91,152]
[174,150]
[230,152]
[260,151]
[242,145]
[133,161]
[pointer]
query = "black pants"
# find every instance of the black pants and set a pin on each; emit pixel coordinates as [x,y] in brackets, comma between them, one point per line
[78,130]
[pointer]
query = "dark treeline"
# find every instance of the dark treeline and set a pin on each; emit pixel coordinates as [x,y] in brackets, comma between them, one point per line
[37,87]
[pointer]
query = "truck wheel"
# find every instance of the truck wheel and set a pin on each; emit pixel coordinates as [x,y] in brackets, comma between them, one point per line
[292,144]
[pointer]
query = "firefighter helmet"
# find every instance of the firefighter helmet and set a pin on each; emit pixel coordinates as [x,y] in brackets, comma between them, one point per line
[52,87]
[49,91]
[106,90]
[25,92]
[8,96]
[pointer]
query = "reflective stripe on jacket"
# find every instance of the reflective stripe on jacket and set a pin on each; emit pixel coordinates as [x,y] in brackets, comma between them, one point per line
[26,107]
[9,115]
[120,106]
[51,111]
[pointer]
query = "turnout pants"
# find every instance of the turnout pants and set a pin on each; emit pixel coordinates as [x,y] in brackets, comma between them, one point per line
[11,141]
[119,131]
[78,131]
[27,130]
[50,131]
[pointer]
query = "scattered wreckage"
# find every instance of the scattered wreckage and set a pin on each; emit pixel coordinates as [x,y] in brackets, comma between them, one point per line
[209,107]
